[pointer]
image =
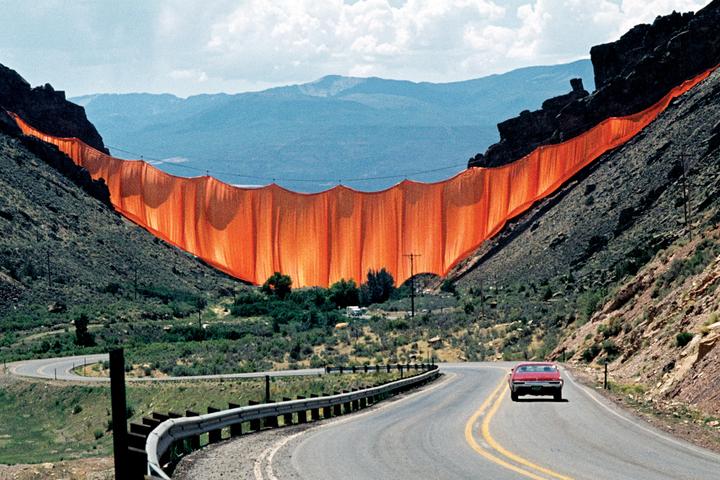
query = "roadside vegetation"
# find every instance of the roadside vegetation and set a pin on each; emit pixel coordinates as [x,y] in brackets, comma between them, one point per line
[49,422]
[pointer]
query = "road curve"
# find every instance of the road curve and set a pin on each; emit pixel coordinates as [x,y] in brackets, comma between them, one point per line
[467,427]
[62,369]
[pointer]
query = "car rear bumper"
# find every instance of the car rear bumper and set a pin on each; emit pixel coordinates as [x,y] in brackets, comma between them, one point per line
[550,387]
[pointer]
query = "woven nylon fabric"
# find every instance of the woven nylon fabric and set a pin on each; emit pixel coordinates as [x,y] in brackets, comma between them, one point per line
[320,238]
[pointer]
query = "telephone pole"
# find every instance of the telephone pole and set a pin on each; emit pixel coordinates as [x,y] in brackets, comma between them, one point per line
[49,277]
[685,194]
[412,257]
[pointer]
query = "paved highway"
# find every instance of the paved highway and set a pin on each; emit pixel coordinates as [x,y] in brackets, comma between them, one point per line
[465,426]
[62,369]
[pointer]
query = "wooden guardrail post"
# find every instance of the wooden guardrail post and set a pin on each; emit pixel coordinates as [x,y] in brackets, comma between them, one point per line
[214,436]
[254,424]
[314,412]
[271,421]
[267,388]
[337,408]
[347,406]
[195,439]
[288,417]
[119,412]
[302,414]
[326,411]
[356,402]
[235,429]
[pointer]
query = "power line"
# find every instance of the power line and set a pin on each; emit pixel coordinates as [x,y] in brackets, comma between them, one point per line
[287,179]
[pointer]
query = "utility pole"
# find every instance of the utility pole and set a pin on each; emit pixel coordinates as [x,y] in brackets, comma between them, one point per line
[135,279]
[685,193]
[47,257]
[412,257]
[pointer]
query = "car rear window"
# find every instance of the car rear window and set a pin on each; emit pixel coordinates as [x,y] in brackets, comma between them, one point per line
[537,368]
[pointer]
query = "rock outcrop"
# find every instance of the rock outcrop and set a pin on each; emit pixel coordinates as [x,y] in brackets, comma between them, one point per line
[48,110]
[45,108]
[630,75]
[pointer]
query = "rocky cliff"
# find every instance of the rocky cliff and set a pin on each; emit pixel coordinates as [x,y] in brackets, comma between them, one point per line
[44,108]
[48,110]
[630,75]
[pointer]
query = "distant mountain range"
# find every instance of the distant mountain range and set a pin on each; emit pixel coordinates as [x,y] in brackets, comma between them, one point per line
[336,128]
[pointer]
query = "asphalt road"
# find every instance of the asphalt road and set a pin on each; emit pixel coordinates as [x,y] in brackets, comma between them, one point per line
[467,427]
[62,369]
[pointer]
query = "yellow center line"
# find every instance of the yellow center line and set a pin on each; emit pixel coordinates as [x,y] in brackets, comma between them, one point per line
[470,438]
[503,451]
[485,430]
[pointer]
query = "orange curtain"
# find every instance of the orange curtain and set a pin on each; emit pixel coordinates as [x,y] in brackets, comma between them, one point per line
[341,233]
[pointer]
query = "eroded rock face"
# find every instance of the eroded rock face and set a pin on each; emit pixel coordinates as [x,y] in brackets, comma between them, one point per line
[529,128]
[630,75]
[46,109]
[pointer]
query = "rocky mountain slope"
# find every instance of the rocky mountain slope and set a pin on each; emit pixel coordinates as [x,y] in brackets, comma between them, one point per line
[660,328]
[334,128]
[605,268]
[93,255]
[63,250]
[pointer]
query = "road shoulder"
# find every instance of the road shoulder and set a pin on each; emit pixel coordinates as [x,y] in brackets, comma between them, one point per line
[674,418]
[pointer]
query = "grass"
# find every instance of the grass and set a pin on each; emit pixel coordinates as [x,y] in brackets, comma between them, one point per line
[50,422]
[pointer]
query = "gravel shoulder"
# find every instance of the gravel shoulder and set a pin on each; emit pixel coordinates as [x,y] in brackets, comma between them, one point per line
[252,457]
[672,417]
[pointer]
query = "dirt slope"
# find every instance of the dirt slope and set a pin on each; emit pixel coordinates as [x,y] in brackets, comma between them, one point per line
[92,253]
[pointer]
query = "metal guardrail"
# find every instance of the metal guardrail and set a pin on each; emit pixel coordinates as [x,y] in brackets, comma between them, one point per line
[161,439]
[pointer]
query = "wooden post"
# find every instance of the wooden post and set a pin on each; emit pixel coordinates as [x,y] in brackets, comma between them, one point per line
[337,408]
[214,436]
[236,429]
[194,440]
[302,414]
[288,417]
[267,388]
[605,381]
[119,412]
[254,424]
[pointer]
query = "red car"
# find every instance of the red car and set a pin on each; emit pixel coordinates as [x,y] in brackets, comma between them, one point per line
[535,378]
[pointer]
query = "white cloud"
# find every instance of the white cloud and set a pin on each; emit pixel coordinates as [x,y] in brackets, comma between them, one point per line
[186,46]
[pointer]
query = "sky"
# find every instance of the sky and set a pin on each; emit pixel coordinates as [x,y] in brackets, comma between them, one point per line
[189,47]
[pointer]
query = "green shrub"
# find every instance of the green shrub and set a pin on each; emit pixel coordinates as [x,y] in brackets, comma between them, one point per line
[611,349]
[587,303]
[278,285]
[448,287]
[683,338]
[612,329]
[344,293]
[591,352]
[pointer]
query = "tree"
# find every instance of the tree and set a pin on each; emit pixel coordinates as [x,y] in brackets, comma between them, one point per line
[200,304]
[344,293]
[378,288]
[278,285]
[83,337]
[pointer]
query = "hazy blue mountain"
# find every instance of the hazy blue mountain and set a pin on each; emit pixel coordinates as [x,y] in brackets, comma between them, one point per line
[333,128]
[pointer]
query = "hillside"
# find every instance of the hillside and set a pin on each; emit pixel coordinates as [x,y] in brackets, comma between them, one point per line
[99,264]
[334,128]
[605,268]
[661,328]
